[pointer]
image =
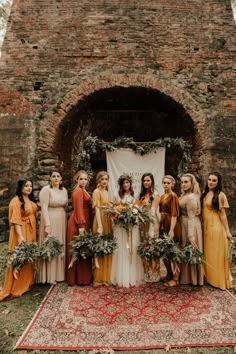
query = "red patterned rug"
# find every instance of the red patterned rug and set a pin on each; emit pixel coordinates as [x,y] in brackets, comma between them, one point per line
[145,317]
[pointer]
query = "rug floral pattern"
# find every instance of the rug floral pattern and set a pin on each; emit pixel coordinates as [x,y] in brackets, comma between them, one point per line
[149,316]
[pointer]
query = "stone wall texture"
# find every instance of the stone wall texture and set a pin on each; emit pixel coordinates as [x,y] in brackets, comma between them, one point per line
[64,61]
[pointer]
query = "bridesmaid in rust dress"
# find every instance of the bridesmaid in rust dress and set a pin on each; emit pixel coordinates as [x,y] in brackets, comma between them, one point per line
[79,272]
[169,210]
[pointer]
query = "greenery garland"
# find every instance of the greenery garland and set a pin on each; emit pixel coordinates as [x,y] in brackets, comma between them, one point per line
[91,144]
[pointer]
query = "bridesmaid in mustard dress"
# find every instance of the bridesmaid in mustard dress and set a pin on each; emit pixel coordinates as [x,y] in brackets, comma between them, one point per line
[102,226]
[22,220]
[217,235]
[169,224]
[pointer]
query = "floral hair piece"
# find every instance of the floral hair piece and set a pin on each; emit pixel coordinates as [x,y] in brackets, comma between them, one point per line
[123,178]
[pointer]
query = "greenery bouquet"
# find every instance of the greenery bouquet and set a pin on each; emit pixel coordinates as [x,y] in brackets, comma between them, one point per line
[50,248]
[192,255]
[173,250]
[24,253]
[152,249]
[83,245]
[104,245]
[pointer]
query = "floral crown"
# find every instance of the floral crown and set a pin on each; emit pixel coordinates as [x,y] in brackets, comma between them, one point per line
[122,178]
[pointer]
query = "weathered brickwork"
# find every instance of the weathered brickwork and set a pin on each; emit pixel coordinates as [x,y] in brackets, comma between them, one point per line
[64,61]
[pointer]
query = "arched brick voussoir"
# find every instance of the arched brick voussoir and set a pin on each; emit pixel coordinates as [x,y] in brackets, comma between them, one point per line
[171,88]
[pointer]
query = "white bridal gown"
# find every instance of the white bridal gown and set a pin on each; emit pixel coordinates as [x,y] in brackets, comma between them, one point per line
[127,266]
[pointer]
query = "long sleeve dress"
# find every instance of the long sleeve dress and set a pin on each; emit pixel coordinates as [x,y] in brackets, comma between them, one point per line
[27,220]
[53,203]
[81,272]
[102,275]
[127,267]
[191,230]
[216,251]
[147,231]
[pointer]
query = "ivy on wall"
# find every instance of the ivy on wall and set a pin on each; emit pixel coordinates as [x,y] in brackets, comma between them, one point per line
[92,144]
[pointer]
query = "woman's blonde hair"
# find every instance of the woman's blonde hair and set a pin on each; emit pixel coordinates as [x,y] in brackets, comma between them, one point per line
[79,173]
[171,178]
[100,175]
[195,189]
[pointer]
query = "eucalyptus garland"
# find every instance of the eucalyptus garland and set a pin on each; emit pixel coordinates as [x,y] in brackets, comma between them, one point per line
[92,144]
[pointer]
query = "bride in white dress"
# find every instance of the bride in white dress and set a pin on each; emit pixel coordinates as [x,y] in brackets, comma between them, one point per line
[127,266]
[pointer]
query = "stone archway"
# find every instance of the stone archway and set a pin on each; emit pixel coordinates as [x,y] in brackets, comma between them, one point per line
[54,129]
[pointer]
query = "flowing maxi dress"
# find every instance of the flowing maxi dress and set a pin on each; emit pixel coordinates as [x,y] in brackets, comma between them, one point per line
[216,245]
[191,229]
[102,275]
[81,271]
[169,207]
[53,203]
[150,231]
[27,220]
[127,267]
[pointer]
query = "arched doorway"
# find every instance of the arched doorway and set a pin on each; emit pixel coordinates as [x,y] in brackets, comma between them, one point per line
[137,112]
[137,107]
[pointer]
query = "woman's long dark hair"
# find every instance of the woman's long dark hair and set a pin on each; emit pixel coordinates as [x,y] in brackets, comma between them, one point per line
[143,190]
[20,185]
[121,181]
[218,189]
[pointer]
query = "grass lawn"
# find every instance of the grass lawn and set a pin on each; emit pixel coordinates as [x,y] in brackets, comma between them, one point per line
[16,314]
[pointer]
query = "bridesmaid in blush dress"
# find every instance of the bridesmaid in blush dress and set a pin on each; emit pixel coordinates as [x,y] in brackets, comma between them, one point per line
[53,199]
[190,209]
[79,272]
[149,200]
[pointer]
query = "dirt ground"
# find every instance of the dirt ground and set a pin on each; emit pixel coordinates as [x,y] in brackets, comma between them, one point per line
[16,314]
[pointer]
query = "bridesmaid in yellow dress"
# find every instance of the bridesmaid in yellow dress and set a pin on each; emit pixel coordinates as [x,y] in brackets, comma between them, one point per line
[22,220]
[102,226]
[216,233]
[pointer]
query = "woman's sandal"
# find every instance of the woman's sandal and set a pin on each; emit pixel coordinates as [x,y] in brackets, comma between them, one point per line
[171,283]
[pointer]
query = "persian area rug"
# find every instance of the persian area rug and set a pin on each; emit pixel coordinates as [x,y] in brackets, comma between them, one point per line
[145,317]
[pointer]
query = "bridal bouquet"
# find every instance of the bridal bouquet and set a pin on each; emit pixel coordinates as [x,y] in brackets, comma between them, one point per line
[125,214]
[24,253]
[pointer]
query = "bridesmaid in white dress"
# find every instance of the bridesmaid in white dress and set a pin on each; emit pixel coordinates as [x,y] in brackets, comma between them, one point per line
[53,222]
[127,267]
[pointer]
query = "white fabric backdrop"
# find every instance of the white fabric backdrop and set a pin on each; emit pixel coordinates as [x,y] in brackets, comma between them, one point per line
[125,161]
